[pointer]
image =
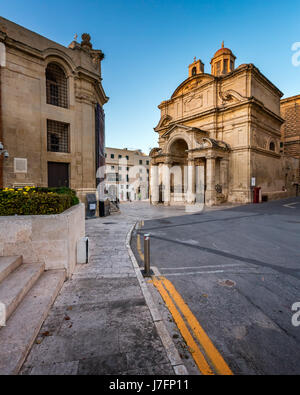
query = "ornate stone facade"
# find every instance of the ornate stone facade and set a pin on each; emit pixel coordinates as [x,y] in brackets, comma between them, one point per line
[50,98]
[217,133]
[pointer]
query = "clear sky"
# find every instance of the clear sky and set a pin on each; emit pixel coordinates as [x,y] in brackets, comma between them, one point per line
[148,45]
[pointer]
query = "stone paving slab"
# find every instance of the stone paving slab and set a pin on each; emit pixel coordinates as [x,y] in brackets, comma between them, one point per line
[100,322]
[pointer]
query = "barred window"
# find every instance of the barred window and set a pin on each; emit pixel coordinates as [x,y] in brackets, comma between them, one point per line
[56,86]
[57,136]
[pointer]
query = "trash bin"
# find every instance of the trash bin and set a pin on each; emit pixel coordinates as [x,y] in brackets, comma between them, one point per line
[91,205]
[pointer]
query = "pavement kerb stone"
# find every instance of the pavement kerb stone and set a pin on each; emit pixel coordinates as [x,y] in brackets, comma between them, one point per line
[171,350]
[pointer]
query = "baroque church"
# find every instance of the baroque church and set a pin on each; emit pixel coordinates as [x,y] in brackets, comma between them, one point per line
[219,137]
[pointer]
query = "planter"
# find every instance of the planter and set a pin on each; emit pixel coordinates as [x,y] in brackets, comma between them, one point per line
[48,239]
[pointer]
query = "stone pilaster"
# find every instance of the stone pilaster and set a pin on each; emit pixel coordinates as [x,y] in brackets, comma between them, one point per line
[154,184]
[166,181]
[210,196]
[224,163]
[191,182]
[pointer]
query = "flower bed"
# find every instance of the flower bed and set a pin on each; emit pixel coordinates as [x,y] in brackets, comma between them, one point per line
[36,201]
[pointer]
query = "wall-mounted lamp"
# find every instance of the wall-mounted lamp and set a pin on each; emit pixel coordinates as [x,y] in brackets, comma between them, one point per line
[3,151]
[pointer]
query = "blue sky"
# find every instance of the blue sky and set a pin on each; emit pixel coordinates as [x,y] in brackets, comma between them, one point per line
[148,45]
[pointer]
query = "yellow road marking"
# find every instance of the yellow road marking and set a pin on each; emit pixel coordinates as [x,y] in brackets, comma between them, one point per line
[194,349]
[212,353]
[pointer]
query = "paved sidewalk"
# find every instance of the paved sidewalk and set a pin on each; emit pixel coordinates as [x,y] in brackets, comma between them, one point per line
[100,322]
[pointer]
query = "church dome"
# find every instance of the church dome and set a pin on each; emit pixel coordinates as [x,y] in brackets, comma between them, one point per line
[223,51]
[223,61]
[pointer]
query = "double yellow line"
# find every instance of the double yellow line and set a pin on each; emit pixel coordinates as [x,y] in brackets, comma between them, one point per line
[206,356]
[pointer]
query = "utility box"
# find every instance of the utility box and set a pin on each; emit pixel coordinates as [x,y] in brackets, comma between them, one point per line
[91,205]
[83,250]
[256,194]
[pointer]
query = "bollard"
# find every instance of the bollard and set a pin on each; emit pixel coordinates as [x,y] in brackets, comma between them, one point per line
[147,255]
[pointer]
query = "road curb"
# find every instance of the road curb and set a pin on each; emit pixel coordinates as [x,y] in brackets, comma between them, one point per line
[171,350]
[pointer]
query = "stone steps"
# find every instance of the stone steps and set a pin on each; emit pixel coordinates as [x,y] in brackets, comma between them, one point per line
[15,286]
[8,264]
[17,338]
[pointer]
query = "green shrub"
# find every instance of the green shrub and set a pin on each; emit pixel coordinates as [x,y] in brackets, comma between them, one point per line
[36,201]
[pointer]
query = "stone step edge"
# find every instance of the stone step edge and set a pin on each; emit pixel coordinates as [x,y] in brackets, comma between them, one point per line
[35,308]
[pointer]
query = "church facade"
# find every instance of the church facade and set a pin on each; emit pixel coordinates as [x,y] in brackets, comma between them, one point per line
[219,137]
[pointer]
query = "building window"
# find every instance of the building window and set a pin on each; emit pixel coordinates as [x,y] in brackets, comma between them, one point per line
[147,162]
[57,136]
[272,146]
[141,162]
[194,71]
[219,67]
[112,156]
[112,167]
[225,66]
[56,86]
[127,178]
[120,156]
[120,168]
[231,65]
[127,168]
[127,157]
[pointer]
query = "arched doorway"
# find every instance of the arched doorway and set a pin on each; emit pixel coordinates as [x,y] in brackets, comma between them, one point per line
[178,176]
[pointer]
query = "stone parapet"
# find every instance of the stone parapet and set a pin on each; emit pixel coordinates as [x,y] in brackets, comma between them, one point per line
[48,239]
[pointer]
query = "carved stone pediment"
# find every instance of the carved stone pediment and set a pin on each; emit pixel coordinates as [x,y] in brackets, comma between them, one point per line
[177,128]
[164,121]
[192,83]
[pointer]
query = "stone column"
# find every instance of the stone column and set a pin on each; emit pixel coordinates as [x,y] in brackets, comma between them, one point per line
[200,183]
[191,182]
[166,181]
[154,184]
[224,169]
[210,196]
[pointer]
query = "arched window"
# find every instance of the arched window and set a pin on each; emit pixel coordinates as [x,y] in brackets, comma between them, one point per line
[57,86]
[272,146]
[194,71]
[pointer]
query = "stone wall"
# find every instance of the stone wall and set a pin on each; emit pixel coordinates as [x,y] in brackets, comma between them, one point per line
[48,239]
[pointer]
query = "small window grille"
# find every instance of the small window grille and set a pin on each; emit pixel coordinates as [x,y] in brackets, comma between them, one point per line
[58,136]
[57,86]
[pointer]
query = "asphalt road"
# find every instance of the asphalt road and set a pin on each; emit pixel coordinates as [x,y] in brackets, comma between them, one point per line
[239,272]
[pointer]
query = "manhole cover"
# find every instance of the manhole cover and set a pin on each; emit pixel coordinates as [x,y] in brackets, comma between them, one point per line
[227,283]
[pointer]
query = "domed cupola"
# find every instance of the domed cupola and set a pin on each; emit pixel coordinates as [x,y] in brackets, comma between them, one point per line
[223,61]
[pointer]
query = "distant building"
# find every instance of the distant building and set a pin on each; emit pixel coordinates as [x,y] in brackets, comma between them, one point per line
[290,130]
[127,174]
[52,120]
[219,136]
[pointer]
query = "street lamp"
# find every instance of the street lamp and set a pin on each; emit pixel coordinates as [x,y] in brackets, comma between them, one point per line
[3,151]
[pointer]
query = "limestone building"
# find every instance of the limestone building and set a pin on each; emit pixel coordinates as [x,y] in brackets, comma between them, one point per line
[290,131]
[127,174]
[52,120]
[219,136]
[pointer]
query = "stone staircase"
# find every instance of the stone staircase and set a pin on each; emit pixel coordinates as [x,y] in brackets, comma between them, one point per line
[27,292]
